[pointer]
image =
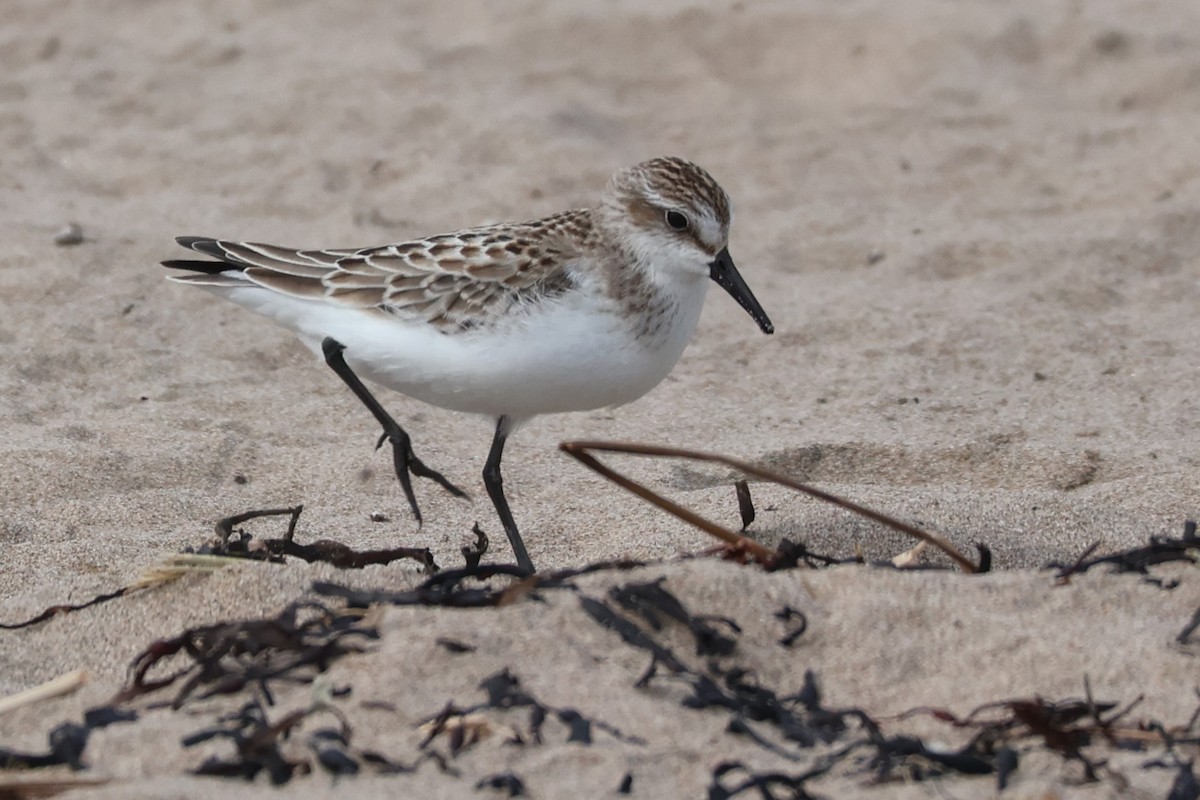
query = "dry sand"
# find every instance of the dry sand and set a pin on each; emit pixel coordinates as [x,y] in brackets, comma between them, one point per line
[976,227]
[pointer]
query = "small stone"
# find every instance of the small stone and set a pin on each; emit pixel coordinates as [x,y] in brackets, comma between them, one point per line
[70,235]
[875,256]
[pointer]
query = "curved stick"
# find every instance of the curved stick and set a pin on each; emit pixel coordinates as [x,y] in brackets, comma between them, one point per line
[579,450]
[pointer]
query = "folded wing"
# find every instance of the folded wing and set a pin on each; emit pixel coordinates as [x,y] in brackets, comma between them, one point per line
[455,281]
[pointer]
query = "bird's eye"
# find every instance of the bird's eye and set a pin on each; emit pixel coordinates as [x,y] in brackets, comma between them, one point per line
[677,220]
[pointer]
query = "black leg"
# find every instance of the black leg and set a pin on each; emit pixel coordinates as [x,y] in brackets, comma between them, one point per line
[403,458]
[495,489]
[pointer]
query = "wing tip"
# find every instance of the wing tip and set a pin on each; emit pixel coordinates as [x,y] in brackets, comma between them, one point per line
[205,267]
[222,279]
[201,244]
[209,247]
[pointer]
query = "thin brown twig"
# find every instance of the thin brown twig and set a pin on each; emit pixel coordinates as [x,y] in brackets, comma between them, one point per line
[1064,575]
[579,450]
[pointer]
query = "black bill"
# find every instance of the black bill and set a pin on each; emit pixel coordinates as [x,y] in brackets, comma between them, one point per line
[728,278]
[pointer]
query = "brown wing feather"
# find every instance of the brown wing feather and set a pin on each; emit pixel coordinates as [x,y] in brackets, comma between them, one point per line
[454,282]
[304,287]
[303,263]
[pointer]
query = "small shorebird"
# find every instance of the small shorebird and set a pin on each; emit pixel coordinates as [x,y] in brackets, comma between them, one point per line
[579,310]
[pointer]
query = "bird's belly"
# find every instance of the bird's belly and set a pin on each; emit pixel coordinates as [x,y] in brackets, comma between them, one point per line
[556,363]
[574,355]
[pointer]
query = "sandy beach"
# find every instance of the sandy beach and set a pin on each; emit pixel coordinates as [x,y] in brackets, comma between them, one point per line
[976,227]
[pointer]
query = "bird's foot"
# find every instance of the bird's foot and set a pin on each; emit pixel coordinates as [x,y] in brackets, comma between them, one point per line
[407,464]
